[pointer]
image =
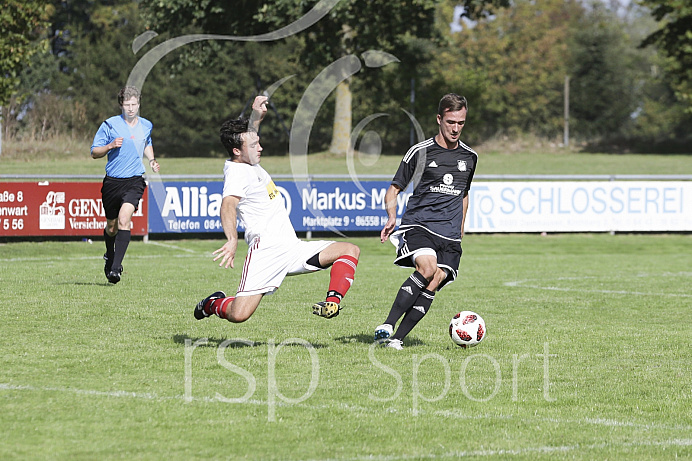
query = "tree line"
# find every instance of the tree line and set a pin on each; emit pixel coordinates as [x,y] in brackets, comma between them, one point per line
[352,68]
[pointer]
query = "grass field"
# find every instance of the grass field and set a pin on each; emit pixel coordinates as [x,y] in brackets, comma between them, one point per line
[587,357]
[69,157]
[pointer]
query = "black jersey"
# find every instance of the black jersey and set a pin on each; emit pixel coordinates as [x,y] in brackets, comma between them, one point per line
[445,178]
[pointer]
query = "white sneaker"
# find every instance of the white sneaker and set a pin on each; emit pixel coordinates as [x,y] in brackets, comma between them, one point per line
[384,331]
[395,344]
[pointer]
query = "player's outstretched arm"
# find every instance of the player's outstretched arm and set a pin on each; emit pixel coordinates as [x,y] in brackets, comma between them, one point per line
[149,155]
[259,110]
[390,203]
[465,209]
[228,220]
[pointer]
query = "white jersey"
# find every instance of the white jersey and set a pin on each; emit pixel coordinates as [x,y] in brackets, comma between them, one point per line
[261,208]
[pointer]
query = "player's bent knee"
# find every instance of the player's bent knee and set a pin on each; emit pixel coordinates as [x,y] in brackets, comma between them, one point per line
[238,315]
[427,269]
[242,308]
[353,250]
[235,318]
[428,273]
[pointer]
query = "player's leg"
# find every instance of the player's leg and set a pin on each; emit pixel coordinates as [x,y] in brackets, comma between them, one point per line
[343,259]
[236,309]
[110,197]
[132,191]
[242,308]
[410,291]
[263,271]
[109,233]
[448,258]
[420,307]
[122,241]
[336,250]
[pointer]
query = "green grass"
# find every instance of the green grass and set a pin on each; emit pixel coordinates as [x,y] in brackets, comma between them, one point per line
[73,159]
[96,371]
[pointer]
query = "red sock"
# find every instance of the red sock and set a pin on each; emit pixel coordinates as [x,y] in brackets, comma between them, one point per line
[218,306]
[341,277]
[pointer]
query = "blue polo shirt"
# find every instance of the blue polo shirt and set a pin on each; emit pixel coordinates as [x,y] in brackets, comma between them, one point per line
[124,161]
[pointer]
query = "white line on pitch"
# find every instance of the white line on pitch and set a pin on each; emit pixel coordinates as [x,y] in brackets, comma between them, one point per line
[520,283]
[455,414]
[166,245]
[518,451]
[46,259]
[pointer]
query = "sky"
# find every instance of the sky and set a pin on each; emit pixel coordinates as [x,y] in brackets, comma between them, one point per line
[458,23]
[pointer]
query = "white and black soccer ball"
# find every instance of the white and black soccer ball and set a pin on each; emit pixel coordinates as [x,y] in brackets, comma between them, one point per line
[467,329]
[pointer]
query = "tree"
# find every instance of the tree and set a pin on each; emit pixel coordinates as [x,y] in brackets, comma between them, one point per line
[340,33]
[95,53]
[351,28]
[674,38]
[22,24]
[603,75]
[511,67]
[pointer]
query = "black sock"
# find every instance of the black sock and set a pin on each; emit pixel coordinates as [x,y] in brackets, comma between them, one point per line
[407,295]
[415,314]
[122,240]
[110,244]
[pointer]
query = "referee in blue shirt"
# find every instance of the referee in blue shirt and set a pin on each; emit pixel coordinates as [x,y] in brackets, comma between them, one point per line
[126,139]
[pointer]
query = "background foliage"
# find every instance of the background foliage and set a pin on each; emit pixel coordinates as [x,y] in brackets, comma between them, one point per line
[22,25]
[628,68]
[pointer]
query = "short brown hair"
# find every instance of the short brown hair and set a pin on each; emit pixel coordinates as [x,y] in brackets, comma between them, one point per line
[128,92]
[231,134]
[451,102]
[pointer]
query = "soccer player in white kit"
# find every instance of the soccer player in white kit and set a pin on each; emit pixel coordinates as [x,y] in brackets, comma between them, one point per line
[274,249]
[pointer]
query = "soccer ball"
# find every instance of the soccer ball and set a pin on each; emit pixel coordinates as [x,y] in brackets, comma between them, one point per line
[467,329]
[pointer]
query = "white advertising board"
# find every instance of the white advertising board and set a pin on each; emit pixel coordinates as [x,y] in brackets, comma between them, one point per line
[580,206]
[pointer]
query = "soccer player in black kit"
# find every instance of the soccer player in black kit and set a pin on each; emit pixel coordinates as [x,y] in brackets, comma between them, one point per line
[431,229]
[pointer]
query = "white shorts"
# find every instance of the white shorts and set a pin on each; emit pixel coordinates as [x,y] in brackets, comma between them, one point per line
[266,265]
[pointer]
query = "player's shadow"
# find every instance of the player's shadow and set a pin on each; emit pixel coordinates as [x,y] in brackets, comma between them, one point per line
[216,342]
[413,342]
[237,344]
[367,338]
[359,338]
[87,284]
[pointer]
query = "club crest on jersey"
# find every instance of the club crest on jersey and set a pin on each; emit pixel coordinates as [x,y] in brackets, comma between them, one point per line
[461,164]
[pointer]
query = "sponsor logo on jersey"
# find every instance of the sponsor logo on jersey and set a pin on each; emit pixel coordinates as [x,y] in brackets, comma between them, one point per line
[432,164]
[272,190]
[447,189]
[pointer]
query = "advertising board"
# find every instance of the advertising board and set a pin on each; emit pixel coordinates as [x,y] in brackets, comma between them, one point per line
[58,209]
[502,206]
[75,208]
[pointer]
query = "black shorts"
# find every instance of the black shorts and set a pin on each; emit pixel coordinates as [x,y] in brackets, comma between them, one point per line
[416,240]
[116,191]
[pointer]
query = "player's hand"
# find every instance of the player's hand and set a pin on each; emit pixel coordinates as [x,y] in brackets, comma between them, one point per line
[155,167]
[259,107]
[387,229]
[117,142]
[226,253]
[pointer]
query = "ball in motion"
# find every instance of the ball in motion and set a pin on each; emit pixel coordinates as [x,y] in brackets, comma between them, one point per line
[467,329]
